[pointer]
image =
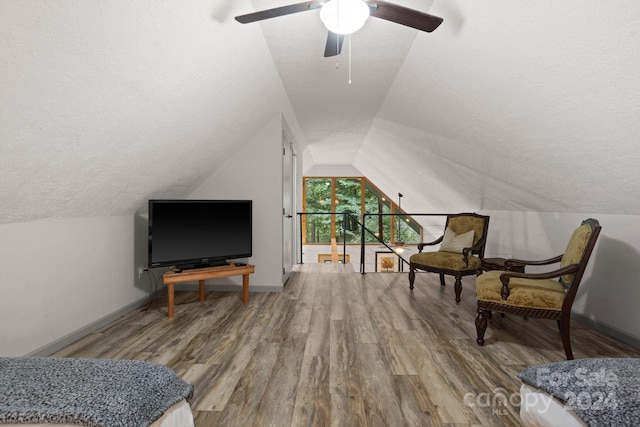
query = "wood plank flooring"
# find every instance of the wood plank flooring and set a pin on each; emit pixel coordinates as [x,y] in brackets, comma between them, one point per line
[337,348]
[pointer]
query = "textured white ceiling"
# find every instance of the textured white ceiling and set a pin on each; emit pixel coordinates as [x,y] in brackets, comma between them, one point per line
[106,104]
[515,105]
[534,106]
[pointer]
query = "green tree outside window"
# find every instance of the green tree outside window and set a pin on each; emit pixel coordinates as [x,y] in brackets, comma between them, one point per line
[346,195]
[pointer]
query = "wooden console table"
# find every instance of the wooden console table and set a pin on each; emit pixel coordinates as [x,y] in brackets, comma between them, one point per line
[170,278]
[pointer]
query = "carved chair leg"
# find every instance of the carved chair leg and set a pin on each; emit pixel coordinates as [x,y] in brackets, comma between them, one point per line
[566,339]
[481,324]
[412,277]
[458,288]
[441,279]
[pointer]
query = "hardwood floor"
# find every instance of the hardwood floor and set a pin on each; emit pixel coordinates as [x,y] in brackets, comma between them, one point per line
[337,348]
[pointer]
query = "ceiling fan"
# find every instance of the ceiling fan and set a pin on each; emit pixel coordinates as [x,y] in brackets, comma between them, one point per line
[337,16]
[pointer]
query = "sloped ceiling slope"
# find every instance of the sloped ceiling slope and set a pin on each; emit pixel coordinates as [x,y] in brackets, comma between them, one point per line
[529,106]
[106,104]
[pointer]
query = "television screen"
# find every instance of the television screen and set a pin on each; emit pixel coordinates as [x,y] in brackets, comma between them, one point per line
[198,233]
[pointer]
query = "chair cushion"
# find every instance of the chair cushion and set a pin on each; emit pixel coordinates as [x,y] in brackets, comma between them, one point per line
[463,223]
[452,242]
[575,248]
[445,260]
[546,294]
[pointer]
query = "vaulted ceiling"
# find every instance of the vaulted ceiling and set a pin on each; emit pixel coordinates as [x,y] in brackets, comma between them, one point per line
[514,105]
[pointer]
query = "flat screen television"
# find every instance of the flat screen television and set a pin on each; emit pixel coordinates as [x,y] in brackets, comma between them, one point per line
[199,233]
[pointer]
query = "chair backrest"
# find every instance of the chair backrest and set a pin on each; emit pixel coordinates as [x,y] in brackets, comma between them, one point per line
[578,251]
[464,222]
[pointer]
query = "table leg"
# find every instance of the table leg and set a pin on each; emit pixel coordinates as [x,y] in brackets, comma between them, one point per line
[170,298]
[245,288]
[201,286]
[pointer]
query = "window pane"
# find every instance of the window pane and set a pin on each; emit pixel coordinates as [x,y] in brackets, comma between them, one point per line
[375,203]
[348,199]
[318,199]
[407,229]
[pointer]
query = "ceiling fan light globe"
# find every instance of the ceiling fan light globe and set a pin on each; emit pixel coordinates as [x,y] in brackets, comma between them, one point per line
[344,16]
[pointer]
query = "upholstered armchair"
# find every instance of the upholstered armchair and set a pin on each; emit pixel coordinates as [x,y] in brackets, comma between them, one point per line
[461,247]
[547,295]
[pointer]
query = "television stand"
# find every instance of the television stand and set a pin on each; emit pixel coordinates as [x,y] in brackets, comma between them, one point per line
[170,278]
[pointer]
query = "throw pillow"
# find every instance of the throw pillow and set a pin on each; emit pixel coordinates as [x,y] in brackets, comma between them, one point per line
[453,242]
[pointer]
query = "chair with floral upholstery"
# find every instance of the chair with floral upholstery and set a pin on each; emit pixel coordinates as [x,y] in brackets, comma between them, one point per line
[461,248]
[546,295]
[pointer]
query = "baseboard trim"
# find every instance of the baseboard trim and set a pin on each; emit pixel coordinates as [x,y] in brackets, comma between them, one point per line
[68,339]
[74,336]
[607,329]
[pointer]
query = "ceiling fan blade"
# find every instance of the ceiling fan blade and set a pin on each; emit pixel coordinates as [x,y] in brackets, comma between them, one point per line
[405,16]
[278,11]
[334,44]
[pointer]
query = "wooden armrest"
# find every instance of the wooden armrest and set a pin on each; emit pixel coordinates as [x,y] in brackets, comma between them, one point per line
[435,242]
[470,250]
[465,254]
[475,248]
[511,262]
[506,276]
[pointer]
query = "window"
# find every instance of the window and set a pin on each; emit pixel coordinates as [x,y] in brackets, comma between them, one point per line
[356,196]
[348,199]
[317,198]
[376,203]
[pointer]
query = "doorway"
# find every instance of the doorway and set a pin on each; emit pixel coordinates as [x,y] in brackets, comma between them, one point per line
[289,174]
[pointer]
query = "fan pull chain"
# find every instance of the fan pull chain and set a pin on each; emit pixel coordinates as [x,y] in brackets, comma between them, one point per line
[337,50]
[338,36]
[349,58]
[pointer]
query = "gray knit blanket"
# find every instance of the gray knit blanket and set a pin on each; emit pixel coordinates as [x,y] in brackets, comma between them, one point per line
[602,392]
[88,392]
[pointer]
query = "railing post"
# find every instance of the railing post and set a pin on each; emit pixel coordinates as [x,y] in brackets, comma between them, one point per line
[344,237]
[300,216]
[362,246]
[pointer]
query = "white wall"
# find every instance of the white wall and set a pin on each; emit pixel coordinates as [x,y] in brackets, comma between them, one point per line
[61,275]
[254,172]
[609,293]
[332,170]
